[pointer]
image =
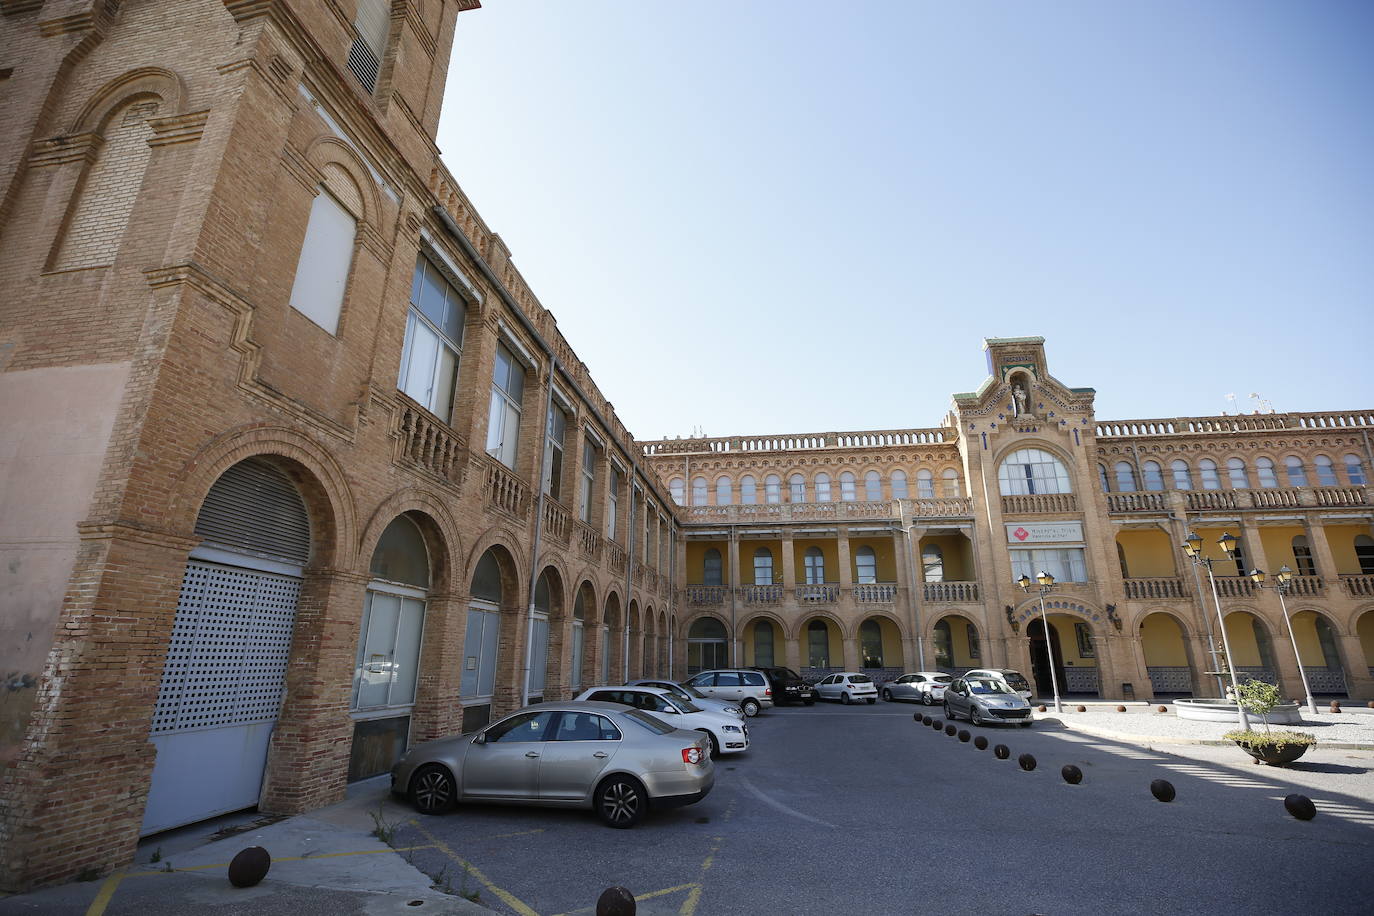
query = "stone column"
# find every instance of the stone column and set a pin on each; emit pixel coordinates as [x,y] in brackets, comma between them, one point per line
[789,562]
[438,702]
[1359,685]
[1322,557]
[846,571]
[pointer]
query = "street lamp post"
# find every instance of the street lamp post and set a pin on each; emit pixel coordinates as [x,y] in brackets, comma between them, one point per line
[1192,548]
[1046,582]
[1283,579]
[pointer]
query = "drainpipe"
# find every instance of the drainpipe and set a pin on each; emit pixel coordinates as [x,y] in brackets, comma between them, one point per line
[538,531]
[629,572]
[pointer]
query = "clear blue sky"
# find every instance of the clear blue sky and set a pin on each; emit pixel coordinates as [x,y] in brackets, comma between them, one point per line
[761,216]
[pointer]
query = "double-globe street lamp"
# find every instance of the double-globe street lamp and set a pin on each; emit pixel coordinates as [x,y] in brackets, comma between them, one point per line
[1046,582]
[1283,580]
[1192,548]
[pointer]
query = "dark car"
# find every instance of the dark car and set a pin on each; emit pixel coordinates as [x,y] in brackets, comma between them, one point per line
[788,686]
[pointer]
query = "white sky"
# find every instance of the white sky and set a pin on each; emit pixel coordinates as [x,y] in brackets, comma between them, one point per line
[765,216]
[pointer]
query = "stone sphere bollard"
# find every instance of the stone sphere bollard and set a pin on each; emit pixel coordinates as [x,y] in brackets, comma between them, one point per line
[916,717]
[1072,774]
[1335,707]
[1042,708]
[249,866]
[1300,806]
[1082,709]
[615,901]
[1162,789]
[1161,709]
[1001,752]
[1027,762]
[964,735]
[1121,709]
[981,743]
[950,729]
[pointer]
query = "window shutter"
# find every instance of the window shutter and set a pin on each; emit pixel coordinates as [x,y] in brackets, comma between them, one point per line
[256,509]
[371,25]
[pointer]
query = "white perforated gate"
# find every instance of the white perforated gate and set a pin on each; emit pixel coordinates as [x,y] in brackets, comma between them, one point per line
[221,692]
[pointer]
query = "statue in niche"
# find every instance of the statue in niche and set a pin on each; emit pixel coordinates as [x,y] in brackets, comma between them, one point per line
[1019,400]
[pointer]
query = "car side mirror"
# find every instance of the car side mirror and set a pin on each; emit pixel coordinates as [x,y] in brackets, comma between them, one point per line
[480,739]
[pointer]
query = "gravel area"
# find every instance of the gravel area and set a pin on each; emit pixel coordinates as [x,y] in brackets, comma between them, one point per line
[1343,729]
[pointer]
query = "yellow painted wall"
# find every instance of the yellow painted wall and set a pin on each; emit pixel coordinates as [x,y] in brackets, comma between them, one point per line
[1240,632]
[1278,547]
[696,553]
[1068,640]
[1149,554]
[746,560]
[1309,645]
[1210,548]
[1342,541]
[779,647]
[958,553]
[1162,641]
[829,549]
[1365,628]
[958,633]
[882,549]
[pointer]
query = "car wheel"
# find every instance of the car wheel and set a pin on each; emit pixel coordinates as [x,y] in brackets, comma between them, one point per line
[887,696]
[750,708]
[926,700]
[620,802]
[973,716]
[844,698]
[432,790]
[872,700]
[715,745]
[949,713]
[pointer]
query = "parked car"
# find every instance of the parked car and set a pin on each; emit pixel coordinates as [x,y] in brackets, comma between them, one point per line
[847,687]
[926,686]
[1013,678]
[688,692]
[728,734]
[747,688]
[618,761]
[788,686]
[984,700]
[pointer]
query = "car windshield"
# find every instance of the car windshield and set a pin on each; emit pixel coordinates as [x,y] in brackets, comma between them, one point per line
[787,672]
[694,693]
[860,679]
[648,722]
[1016,681]
[685,705]
[987,687]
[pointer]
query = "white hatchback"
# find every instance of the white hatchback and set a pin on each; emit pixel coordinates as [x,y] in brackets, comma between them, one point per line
[728,734]
[848,687]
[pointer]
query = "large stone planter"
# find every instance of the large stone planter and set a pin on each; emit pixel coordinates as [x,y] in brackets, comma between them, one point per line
[1211,710]
[1273,754]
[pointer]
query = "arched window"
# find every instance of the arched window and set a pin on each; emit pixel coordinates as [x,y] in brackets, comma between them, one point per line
[698,491]
[1183,477]
[954,487]
[763,644]
[1364,553]
[847,492]
[1297,474]
[772,489]
[1103,479]
[678,487]
[1264,471]
[818,644]
[579,636]
[925,484]
[796,487]
[724,493]
[1125,477]
[1029,471]
[944,645]
[1302,557]
[1154,476]
[748,494]
[866,566]
[822,487]
[933,563]
[873,486]
[1208,469]
[481,645]
[813,563]
[388,660]
[711,573]
[1326,472]
[706,645]
[1240,479]
[871,643]
[1354,470]
[899,485]
[763,566]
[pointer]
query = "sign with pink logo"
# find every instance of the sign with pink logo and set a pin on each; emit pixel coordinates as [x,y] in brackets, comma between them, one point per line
[1043,532]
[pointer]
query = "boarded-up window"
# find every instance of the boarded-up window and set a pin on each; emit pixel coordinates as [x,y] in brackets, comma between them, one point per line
[109,190]
[326,254]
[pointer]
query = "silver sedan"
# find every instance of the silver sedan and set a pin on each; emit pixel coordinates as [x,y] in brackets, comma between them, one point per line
[926,686]
[618,761]
[985,700]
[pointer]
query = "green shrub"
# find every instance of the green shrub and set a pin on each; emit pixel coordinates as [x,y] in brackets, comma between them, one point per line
[1279,737]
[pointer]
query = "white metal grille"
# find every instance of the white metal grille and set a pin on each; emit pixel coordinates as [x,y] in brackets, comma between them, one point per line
[231,639]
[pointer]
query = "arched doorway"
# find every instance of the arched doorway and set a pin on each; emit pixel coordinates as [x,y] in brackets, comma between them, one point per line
[1321,661]
[1041,658]
[482,638]
[762,642]
[650,654]
[957,646]
[612,628]
[578,667]
[548,600]
[1166,655]
[386,669]
[824,647]
[225,673]
[880,644]
[707,645]
[1252,647]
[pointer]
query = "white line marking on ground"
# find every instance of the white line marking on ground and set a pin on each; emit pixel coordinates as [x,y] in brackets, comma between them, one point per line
[769,800]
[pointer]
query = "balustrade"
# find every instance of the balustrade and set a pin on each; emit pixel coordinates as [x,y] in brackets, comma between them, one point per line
[615,555]
[875,593]
[1274,498]
[1341,496]
[1358,586]
[504,490]
[557,522]
[1137,502]
[761,594]
[429,444]
[818,594]
[1235,586]
[1210,499]
[704,595]
[952,507]
[1156,587]
[951,592]
[779,513]
[1043,502]
[588,542]
[1306,586]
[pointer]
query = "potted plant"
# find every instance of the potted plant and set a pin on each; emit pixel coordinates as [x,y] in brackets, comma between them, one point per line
[1271,747]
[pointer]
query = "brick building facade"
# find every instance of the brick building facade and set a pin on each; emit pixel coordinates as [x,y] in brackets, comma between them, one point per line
[298,470]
